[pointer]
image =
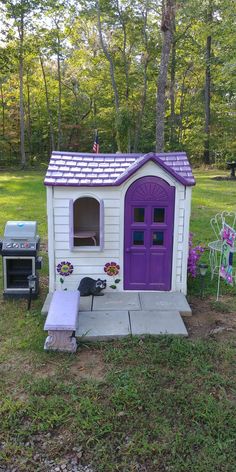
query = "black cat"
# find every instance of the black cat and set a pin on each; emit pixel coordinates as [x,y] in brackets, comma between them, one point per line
[89,286]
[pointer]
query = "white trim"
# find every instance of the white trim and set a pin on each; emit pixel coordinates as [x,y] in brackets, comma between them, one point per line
[86,249]
[175,240]
[91,248]
[186,238]
[51,246]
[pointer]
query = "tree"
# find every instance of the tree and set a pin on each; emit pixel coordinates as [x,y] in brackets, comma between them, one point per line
[209,18]
[19,15]
[167,27]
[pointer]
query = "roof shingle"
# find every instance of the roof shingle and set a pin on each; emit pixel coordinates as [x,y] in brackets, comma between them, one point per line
[85,169]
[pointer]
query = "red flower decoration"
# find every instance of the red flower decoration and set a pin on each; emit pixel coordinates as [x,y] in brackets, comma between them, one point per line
[65,268]
[111,268]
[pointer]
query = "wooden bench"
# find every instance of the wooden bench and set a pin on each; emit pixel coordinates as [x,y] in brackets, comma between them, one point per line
[61,322]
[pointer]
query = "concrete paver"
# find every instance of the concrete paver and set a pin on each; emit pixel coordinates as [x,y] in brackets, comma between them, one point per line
[85,303]
[157,322]
[165,301]
[103,325]
[117,301]
[121,314]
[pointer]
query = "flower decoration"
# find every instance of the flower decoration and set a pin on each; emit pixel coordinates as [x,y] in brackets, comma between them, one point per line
[111,268]
[65,268]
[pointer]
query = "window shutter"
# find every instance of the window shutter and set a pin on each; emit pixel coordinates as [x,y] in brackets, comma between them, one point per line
[101,225]
[71,223]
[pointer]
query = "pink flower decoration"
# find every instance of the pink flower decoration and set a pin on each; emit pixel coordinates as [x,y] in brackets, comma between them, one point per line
[111,268]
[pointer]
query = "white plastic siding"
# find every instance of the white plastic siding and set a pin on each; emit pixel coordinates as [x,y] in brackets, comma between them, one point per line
[86,263]
[91,263]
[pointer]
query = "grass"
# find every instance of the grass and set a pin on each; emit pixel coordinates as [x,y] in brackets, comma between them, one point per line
[165,404]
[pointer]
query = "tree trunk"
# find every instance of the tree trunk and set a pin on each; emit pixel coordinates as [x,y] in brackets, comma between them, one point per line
[112,70]
[21,79]
[139,120]
[3,110]
[126,65]
[172,97]
[52,142]
[167,29]
[109,58]
[206,155]
[29,127]
[179,134]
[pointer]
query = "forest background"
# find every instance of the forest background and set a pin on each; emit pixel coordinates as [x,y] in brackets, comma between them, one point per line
[148,75]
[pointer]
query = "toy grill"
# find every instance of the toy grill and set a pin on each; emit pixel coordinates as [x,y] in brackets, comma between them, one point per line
[19,249]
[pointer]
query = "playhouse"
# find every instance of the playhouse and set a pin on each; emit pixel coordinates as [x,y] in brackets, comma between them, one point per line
[131,209]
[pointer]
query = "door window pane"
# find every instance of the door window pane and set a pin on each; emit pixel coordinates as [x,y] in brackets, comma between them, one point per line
[138,238]
[157,238]
[159,215]
[139,214]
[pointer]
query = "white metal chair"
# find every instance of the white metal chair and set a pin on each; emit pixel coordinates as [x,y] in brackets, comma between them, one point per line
[217,222]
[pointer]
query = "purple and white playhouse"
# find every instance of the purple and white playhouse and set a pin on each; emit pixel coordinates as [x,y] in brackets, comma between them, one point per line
[132,209]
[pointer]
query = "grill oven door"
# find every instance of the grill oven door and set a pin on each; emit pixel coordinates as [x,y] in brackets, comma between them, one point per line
[15,272]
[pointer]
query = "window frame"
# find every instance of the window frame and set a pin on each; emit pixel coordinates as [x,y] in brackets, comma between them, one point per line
[71,226]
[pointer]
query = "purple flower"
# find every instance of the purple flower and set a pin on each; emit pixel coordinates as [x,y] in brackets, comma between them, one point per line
[65,268]
[193,256]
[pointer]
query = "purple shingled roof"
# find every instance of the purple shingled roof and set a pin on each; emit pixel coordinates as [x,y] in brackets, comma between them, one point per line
[85,169]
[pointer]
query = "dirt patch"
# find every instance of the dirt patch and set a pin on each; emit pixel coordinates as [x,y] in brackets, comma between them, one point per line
[212,319]
[46,370]
[89,365]
[17,364]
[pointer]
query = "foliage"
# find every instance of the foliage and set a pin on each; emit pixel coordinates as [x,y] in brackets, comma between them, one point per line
[75,96]
[194,255]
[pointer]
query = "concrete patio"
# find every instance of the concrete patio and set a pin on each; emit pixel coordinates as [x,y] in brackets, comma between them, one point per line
[121,314]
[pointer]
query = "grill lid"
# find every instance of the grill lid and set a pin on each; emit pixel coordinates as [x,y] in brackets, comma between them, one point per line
[21,230]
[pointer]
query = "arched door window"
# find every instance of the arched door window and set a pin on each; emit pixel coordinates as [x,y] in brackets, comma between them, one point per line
[86,224]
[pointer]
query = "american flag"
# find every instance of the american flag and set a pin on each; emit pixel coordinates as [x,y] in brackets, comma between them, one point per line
[96,143]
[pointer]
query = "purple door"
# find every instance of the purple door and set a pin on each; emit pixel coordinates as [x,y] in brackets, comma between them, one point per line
[148,239]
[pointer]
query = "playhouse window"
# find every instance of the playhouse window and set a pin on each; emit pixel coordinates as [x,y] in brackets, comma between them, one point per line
[86,223]
[159,215]
[158,238]
[139,214]
[138,238]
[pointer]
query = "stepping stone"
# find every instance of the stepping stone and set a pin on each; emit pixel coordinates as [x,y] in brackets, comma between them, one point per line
[117,301]
[157,322]
[102,326]
[165,301]
[85,303]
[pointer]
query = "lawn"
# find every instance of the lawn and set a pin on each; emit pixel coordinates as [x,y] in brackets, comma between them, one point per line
[145,405]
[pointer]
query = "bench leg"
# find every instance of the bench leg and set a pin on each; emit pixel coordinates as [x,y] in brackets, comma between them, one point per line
[60,341]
